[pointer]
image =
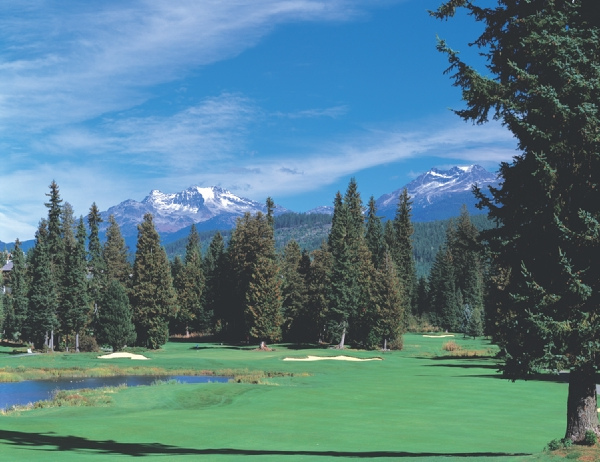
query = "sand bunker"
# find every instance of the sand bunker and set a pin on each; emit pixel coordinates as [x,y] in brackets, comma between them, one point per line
[439,336]
[122,355]
[335,358]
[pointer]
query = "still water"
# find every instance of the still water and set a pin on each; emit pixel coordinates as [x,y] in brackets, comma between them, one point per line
[31,391]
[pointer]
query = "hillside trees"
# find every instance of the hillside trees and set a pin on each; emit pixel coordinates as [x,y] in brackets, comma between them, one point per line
[152,295]
[543,83]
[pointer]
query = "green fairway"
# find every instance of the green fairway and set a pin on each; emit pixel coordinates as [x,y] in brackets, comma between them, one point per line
[415,403]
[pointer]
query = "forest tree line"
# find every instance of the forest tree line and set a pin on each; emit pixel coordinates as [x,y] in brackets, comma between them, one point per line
[359,286]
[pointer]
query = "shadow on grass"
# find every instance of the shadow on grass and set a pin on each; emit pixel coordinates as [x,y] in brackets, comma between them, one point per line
[52,442]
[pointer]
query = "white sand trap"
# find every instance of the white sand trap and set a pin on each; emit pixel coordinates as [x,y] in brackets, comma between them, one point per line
[439,336]
[122,355]
[335,358]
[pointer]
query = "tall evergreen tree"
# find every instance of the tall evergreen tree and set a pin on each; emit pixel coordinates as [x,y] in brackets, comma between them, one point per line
[75,304]
[388,323]
[153,298]
[252,259]
[97,266]
[115,325]
[43,299]
[116,255]
[543,83]
[215,274]
[318,285]
[401,248]
[375,235]
[446,311]
[189,283]
[293,291]
[17,301]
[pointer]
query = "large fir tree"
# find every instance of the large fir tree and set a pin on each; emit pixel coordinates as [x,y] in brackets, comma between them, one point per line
[153,298]
[293,291]
[16,303]
[215,275]
[43,299]
[97,265]
[116,255]
[115,325]
[543,82]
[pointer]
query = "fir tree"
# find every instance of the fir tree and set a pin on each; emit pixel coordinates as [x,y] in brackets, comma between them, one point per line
[16,303]
[388,325]
[43,300]
[293,292]
[543,83]
[115,255]
[401,248]
[153,298]
[97,265]
[318,285]
[263,302]
[446,312]
[75,304]
[374,235]
[115,325]
[189,282]
[215,273]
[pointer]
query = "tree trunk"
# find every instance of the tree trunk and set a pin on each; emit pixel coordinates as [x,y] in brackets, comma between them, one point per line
[77,342]
[341,344]
[582,413]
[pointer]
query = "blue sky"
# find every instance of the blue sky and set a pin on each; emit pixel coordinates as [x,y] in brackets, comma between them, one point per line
[287,98]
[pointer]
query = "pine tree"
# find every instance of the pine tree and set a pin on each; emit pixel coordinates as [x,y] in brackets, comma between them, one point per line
[543,83]
[75,304]
[116,255]
[189,282]
[43,299]
[401,247]
[97,266]
[263,302]
[293,292]
[215,273]
[374,235]
[388,325]
[16,303]
[252,259]
[446,312]
[318,285]
[153,298]
[115,325]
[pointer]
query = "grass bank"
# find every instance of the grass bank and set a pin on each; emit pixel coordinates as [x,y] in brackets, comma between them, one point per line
[424,403]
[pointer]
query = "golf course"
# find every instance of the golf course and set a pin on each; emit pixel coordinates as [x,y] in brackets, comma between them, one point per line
[422,402]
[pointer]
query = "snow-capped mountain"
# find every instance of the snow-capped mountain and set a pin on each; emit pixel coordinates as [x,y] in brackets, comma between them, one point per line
[175,211]
[440,194]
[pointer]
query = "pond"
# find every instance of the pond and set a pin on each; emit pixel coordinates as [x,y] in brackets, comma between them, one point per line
[30,391]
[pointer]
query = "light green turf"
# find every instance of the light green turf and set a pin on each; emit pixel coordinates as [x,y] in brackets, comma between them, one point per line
[415,403]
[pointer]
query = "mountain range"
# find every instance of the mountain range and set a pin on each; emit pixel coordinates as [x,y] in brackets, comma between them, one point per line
[435,194]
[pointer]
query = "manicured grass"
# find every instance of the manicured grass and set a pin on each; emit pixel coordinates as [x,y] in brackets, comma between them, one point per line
[419,403]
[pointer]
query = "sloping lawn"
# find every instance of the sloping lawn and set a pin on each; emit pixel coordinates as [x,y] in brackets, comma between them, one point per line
[418,403]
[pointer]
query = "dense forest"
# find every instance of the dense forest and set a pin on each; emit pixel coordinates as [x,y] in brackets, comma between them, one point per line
[353,279]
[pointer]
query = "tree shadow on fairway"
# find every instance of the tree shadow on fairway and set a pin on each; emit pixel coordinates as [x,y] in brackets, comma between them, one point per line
[52,442]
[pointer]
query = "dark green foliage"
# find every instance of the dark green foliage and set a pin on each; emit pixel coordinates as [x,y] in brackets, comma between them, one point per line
[294,295]
[216,279]
[401,248]
[16,302]
[318,285]
[97,265]
[251,256]
[374,235]
[43,299]
[116,255]
[115,325]
[262,311]
[153,298]
[445,309]
[75,309]
[543,84]
[188,280]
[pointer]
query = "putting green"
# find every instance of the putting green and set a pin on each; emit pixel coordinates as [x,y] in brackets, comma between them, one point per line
[416,403]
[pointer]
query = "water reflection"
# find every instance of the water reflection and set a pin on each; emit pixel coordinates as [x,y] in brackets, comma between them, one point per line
[30,391]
